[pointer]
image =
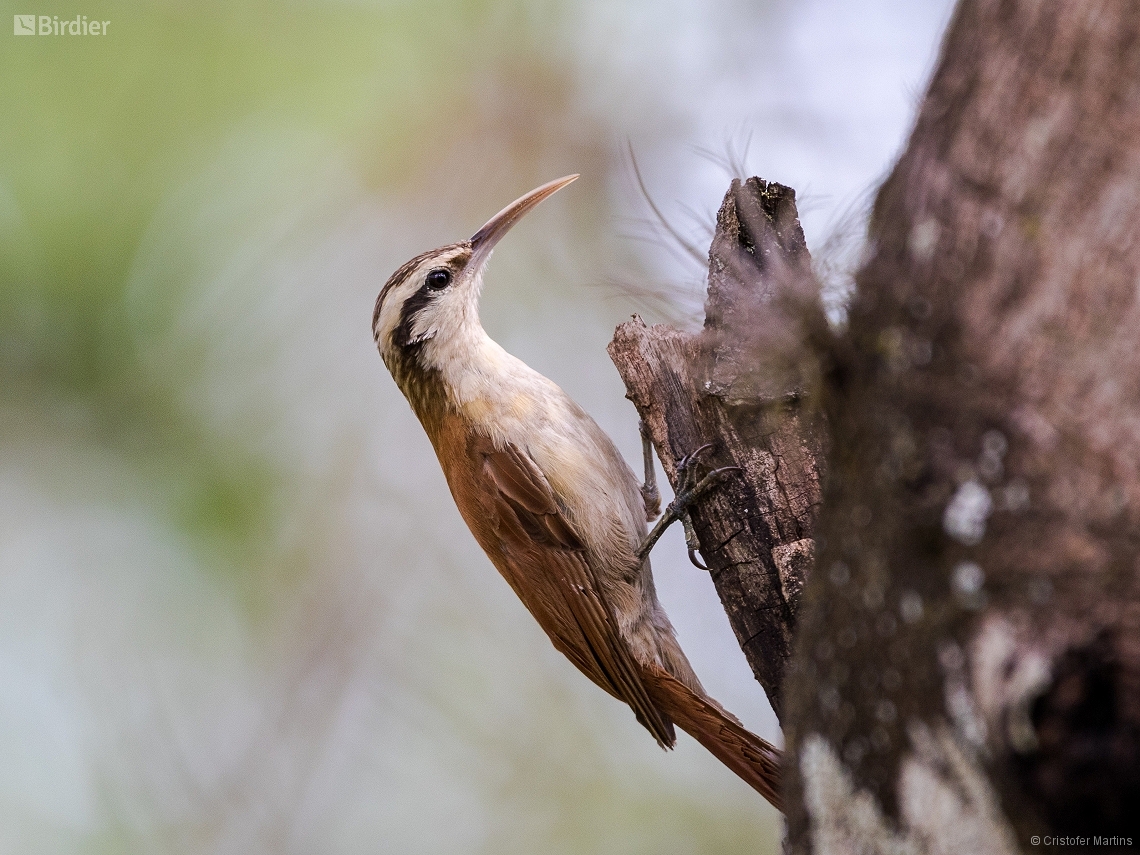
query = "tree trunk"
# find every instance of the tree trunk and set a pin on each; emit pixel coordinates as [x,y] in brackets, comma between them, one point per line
[965,673]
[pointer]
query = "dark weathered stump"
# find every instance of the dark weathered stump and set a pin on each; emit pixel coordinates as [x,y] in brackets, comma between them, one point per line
[755,530]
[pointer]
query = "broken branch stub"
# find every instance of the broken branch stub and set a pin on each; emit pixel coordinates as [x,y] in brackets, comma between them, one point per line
[741,384]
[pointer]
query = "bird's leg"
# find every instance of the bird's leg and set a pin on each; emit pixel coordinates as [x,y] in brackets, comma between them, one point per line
[649,493]
[689,489]
[694,545]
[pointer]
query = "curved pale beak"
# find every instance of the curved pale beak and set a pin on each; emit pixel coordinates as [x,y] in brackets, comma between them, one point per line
[484,240]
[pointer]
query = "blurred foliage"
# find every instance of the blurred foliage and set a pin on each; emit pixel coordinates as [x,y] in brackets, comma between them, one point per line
[99,131]
[225,623]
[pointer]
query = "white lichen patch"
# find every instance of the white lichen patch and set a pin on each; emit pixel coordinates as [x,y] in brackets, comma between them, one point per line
[923,240]
[910,607]
[843,819]
[946,801]
[968,722]
[967,581]
[1007,675]
[793,561]
[967,512]
[946,804]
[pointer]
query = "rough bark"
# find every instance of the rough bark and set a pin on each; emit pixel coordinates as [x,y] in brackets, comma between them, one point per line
[755,530]
[970,644]
[965,672]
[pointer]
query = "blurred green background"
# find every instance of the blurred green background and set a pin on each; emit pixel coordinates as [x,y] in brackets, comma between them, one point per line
[238,610]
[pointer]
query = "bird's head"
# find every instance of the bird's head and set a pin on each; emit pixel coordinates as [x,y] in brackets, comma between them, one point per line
[434,297]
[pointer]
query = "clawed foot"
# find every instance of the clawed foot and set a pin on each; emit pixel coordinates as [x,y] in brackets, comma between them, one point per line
[689,489]
[650,497]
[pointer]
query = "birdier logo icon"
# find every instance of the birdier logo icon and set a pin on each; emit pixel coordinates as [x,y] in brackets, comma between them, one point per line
[51,25]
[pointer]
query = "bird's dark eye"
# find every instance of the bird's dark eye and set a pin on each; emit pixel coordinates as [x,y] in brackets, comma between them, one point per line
[439,278]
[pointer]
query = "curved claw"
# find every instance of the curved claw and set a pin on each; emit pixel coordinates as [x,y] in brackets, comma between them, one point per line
[692,542]
[696,562]
[717,473]
[692,457]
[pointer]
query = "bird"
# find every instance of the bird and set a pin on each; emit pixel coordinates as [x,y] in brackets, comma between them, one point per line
[548,496]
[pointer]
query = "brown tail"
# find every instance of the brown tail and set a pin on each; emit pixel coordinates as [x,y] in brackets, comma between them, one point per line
[755,760]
